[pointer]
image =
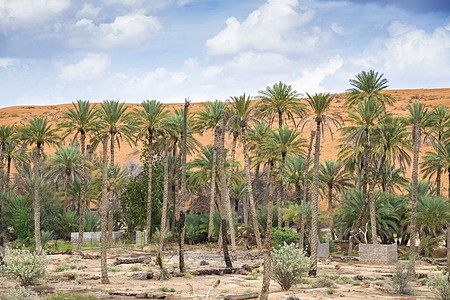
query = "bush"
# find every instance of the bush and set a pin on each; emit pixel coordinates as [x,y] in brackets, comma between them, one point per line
[400,280]
[285,235]
[24,266]
[289,264]
[62,296]
[19,293]
[439,284]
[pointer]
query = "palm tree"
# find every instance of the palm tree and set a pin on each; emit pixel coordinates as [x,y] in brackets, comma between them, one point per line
[320,104]
[6,135]
[243,111]
[437,162]
[103,138]
[206,119]
[333,177]
[365,118]
[162,230]
[280,101]
[287,142]
[420,117]
[151,117]
[38,132]
[80,120]
[120,126]
[65,163]
[182,204]
[368,85]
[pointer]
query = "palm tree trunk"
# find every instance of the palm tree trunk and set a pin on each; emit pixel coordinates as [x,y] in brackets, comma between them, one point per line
[8,173]
[82,205]
[162,230]
[66,194]
[315,203]
[438,181]
[223,183]
[111,194]
[103,212]
[250,189]
[283,188]
[373,221]
[148,225]
[414,178]
[213,187]
[448,248]
[2,156]
[279,208]
[305,191]
[266,251]
[182,218]
[37,209]
[330,210]
[172,186]
[230,174]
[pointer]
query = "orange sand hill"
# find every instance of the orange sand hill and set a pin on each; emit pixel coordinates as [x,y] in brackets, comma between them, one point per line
[20,115]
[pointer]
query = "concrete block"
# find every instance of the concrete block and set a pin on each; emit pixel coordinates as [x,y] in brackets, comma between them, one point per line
[377,253]
[94,236]
[138,238]
[323,250]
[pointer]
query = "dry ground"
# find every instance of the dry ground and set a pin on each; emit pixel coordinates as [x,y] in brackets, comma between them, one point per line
[375,284]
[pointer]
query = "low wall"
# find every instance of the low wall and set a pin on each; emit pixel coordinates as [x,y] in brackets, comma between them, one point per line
[323,250]
[95,236]
[377,253]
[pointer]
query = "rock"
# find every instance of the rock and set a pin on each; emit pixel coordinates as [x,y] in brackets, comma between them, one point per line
[143,276]
[204,263]
[246,268]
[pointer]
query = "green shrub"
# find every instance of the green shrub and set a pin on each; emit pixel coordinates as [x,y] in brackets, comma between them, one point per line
[289,264]
[19,293]
[323,282]
[62,296]
[70,275]
[439,284]
[46,236]
[23,265]
[157,234]
[345,280]
[196,228]
[91,222]
[400,279]
[285,235]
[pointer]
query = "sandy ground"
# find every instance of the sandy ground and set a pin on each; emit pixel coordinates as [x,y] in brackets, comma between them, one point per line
[375,285]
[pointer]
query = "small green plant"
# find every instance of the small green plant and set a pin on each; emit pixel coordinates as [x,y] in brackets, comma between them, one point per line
[166,289]
[79,279]
[188,275]
[289,264]
[253,275]
[24,266]
[113,269]
[135,268]
[439,284]
[345,280]
[331,291]
[400,281]
[285,235]
[62,296]
[70,275]
[19,293]
[323,282]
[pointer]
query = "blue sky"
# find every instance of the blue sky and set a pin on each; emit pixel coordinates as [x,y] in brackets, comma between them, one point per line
[58,51]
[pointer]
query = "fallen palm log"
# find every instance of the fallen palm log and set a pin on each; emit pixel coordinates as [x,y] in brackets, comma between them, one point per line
[436,261]
[121,261]
[78,252]
[244,270]
[242,297]
[344,258]
[140,295]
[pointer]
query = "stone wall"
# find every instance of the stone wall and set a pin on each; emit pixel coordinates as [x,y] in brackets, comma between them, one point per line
[323,250]
[94,236]
[378,253]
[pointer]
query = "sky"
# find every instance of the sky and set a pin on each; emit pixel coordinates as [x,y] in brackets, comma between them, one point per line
[59,51]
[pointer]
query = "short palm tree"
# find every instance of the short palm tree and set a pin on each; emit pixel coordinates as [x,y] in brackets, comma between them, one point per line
[40,133]
[151,118]
[333,177]
[280,101]
[437,162]
[121,127]
[81,120]
[65,163]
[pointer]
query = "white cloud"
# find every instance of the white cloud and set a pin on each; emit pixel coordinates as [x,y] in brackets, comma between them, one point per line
[89,68]
[16,14]
[6,62]
[88,11]
[275,26]
[127,31]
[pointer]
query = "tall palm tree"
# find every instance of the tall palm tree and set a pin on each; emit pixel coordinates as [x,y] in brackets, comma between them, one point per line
[243,111]
[207,119]
[368,85]
[162,230]
[65,163]
[182,204]
[151,117]
[103,138]
[420,118]
[365,118]
[6,134]
[334,177]
[120,126]
[287,142]
[319,104]
[81,119]
[40,133]
[257,133]
[282,102]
